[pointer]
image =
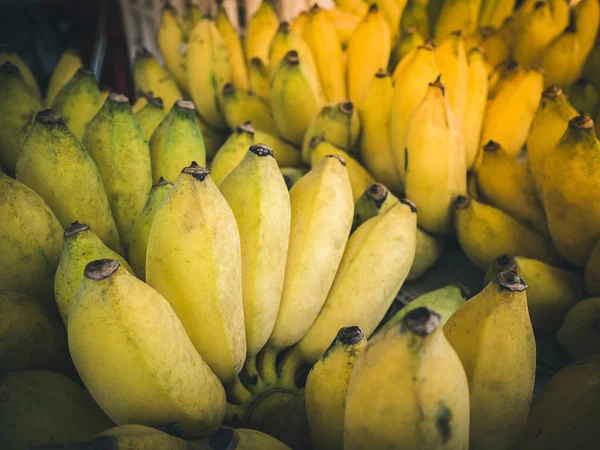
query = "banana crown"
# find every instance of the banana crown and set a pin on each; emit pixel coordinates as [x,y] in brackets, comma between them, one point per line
[378,193]
[580,131]
[161,182]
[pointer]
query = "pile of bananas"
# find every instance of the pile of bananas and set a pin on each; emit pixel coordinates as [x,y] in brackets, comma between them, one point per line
[220,251]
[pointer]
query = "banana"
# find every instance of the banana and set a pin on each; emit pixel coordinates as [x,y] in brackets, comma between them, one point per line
[104,93]
[375,148]
[434,161]
[476,99]
[451,60]
[232,152]
[116,317]
[299,22]
[327,387]
[176,142]
[551,291]
[501,343]
[583,96]
[242,439]
[534,33]
[321,205]
[574,391]
[242,106]
[392,11]
[357,7]
[39,406]
[325,45]
[510,112]
[239,72]
[337,123]
[296,97]
[506,183]
[485,232]
[408,390]
[497,44]
[31,335]
[430,248]
[67,65]
[456,15]
[209,69]
[415,15]
[78,102]
[285,153]
[570,191]
[563,60]
[28,77]
[80,246]
[62,172]
[207,243]
[344,24]
[410,39]
[368,51]
[142,100]
[285,40]
[592,268]
[116,142]
[291,175]
[259,199]
[150,76]
[258,79]
[579,333]
[260,31]
[587,16]
[213,139]
[191,16]
[142,225]
[150,116]
[411,81]
[19,105]
[492,13]
[172,44]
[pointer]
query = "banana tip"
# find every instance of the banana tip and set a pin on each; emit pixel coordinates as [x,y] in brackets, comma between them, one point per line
[462,202]
[48,117]
[75,229]
[8,67]
[101,269]
[261,150]
[510,280]
[409,203]
[197,171]
[350,335]
[421,321]
[582,122]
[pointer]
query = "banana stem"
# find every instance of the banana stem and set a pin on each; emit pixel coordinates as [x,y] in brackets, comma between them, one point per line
[237,392]
[267,369]
[234,414]
[290,365]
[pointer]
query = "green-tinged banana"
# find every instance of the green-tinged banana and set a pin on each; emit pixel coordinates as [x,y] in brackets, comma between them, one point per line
[194,241]
[116,142]
[191,15]
[242,439]
[445,302]
[583,96]
[392,11]
[434,161]
[415,15]
[285,40]
[549,124]
[296,97]
[171,42]
[360,178]
[592,272]
[31,335]
[232,152]
[80,246]
[476,99]
[78,102]
[176,142]
[259,199]
[324,44]
[411,81]
[209,69]
[551,291]
[68,63]
[384,246]
[39,407]
[233,42]
[375,149]
[492,13]
[24,70]
[19,105]
[410,39]
[327,387]
[429,250]
[242,106]
[344,24]
[260,31]
[497,44]
[579,332]
[485,232]
[30,241]
[408,390]
[510,112]
[258,79]
[161,380]
[285,153]
[321,206]
[150,116]
[150,76]
[575,392]
[368,51]
[493,337]
[506,183]
[534,33]
[141,228]
[457,15]
[337,123]
[570,191]
[213,139]
[451,60]
[563,59]
[62,172]
[291,175]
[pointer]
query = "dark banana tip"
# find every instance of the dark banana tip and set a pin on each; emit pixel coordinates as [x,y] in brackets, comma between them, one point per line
[101,269]
[513,66]
[185,104]
[491,147]
[245,127]
[487,31]
[142,53]
[410,29]
[350,335]
[511,281]
[228,89]
[48,117]
[409,203]
[292,57]
[8,67]
[261,150]
[338,157]
[197,171]
[421,321]
[169,6]
[223,439]
[284,27]
[505,262]
[429,45]
[162,182]
[155,101]
[583,122]
[315,8]
[75,228]
[117,98]
[382,73]
[316,140]
[538,5]
[347,107]
[256,61]
[378,192]
[438,84]
[373,8]
[457,33]
[462,202]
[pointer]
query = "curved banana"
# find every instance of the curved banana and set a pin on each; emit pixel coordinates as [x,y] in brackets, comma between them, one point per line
[534,32]
[285,40]
[232,152]
[258,79]
[477,92]
[344,24]
[67,65]
[241,106]
[28,77]
[149,76]
[492,13]
[233,42]
[578,333]
[457,15]
[415,14]
[410,39]
[150,116]
[172,44]
[260,31]
[497,44]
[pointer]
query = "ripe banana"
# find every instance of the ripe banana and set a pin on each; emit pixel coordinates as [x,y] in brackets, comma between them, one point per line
[291,175]
[260,31]
[408,390]
[150,76]
[344,24]
[285,153]
[176,142]
[213,139]
[534,32]
[67,65]
[429,251]
[498,354]
[258,79]
[586,16]
[239,72]
[497,44]
[285,40]
[457,15]
[241,106]
[150,116]
[63,173]
[410,39]
[28,77]
[415,14]
[476,99]
[492,13]
[357,7]
[116,317]
[579,330]
[232,152]
[172,44]
[191,16]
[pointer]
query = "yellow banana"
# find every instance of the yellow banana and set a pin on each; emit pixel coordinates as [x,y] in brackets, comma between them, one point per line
[497,44]
[285,40]
[415,15]
[232,152]
[578,333]
[392,11]
[563,60]
[586,16]
[258,79]
[457,15]
[299,22]
[171,42]
[150,116]
[213,139]
[410,39]
[292,175]
[430,248]
[116,317]
[68,63]
[241,106]
[142,100]
[493,12]
[477,92]
[357,7]
[534,32]
[344,24]
[260,31]
[239,72]
[285,153]
[191,16]
[150,76]
[24,70]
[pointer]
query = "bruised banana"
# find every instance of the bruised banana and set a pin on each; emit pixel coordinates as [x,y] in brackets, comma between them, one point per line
[67,65]
[239,107]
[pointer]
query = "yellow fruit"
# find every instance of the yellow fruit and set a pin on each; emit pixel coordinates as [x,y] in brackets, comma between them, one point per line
[429,250]
[213,139]
[497,44]
[243,439]
[457,15]
[150,116]
[285,40]
[258,79]
[232,152]
[25,72]
[171,42]
[260,31]
[67,65]
[476,98]
[233,42]
[240,106]
[285,153]
[579,332]
[344,24]
[415,14]
[150,76]
[410,39]
[494,12]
